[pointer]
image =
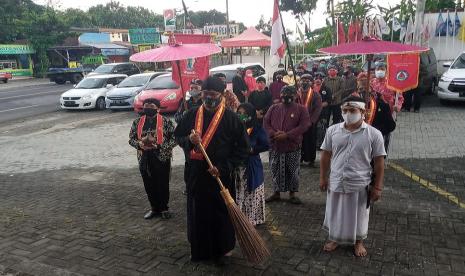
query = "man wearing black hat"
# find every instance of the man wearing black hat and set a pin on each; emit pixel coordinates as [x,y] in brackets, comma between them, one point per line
[312,102]
[153,137]
[223,135]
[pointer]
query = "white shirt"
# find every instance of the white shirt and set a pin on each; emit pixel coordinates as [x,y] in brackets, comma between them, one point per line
[352,153]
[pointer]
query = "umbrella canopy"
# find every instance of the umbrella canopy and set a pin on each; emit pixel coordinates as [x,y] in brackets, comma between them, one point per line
[249,38]
[176,52]
[372,46]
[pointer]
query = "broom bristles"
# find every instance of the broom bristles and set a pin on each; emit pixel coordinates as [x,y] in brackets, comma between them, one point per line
[252,245]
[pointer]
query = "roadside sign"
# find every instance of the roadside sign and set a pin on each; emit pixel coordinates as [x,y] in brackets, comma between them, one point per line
[221,30]
[144,36]
[170,19]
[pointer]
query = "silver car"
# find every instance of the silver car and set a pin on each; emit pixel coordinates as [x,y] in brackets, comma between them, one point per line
[122,96]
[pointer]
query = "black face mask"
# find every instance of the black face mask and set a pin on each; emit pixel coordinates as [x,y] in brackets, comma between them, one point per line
[150,112]
[211,102]
[287,99]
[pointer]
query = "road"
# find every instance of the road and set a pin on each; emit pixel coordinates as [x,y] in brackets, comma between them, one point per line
[30,99]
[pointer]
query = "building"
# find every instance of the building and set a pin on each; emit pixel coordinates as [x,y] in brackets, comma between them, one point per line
[16,59]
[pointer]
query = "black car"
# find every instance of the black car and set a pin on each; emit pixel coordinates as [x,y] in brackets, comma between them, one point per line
[126,68]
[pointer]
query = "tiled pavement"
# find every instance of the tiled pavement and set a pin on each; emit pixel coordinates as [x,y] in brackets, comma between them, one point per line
[82,218]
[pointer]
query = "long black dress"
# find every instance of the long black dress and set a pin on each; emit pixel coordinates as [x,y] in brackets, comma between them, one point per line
[210,230]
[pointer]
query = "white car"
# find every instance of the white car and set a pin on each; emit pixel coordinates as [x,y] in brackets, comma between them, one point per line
[231,69]
[122,96]
[90,92]
[451,85]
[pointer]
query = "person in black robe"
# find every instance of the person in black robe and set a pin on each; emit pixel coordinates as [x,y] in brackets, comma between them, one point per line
[261,98]
[239,86]
[210,230]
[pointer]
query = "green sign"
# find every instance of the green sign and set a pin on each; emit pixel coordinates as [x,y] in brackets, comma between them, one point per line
[13,49]
[144,36]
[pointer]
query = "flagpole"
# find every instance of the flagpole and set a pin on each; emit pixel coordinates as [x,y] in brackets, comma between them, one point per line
[447,31]
[289,54]
[453,33]
[392,29]
[439,32]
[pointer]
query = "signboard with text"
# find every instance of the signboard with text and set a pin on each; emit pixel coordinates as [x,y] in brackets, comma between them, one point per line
[221,30]
[15,49]
[170,19]
[144,36]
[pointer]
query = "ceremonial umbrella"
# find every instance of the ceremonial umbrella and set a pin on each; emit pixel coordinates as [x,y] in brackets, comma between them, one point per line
[176,52]
[369,46]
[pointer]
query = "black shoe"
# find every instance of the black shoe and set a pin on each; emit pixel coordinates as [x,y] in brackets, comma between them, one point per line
[151,214]
[295,200]
[274,197]
[166,215]
[222,261]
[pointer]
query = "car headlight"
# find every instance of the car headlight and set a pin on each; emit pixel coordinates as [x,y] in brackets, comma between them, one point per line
[87,97]
[445,79]
[170,97]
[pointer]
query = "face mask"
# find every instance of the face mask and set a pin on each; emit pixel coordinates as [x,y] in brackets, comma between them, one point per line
[287,99]
[194,93]
[380,73]
[290,73]
[211,102]
[323,65]
[351,118]
[150,112]
[249,75]
[243,117]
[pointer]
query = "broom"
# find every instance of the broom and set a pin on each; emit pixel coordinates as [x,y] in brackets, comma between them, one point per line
[252,245]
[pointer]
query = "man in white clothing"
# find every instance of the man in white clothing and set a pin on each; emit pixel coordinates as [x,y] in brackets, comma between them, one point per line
[348,150]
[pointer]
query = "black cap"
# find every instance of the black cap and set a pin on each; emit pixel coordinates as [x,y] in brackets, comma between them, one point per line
[306,76]
[261,79]
[213,83]
[288,89]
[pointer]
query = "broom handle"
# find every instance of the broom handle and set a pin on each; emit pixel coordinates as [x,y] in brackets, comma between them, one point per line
[210,164]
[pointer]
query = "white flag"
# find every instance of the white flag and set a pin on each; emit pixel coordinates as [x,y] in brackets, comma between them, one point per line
[384,27]
[396,25]
[277,44]
[403,30]
[409,32]
[365,30]
[377,29]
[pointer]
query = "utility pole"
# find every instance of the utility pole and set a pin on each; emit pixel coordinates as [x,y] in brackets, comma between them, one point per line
[419,21]
[228,33]
[333,21]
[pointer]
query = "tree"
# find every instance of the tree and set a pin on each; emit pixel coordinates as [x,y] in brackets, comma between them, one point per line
[264,26]
[438,5]
[351,10]
[13,19]
[298,7]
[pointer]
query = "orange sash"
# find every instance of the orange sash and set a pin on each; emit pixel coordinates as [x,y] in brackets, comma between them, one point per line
[207,137]
[371,111]
[249,130]
[308,100]
[140,127]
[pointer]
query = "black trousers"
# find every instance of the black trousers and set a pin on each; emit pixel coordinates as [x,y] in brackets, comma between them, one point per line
[156,177]
[309,145]
[335,111]
[413,98]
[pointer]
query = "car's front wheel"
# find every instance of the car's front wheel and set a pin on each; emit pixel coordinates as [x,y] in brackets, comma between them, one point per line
[100,104]
[5,80]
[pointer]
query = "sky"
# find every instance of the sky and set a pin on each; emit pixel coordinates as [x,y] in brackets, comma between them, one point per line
[246,11]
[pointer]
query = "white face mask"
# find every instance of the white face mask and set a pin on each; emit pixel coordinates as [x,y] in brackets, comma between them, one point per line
[290,73]
[351,118]
[380,73]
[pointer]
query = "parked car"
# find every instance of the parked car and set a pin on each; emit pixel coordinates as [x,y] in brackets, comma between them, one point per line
[122,96]
[164,89]
[451,85]
[5,76]
[230,71]
[90,92]
[126,68]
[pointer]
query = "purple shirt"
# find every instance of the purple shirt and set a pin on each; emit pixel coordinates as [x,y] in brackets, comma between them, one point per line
[293,119]
[275,89]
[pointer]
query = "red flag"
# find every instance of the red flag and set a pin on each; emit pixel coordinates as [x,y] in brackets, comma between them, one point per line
[402,71]
[196,68]
[277,44]
[352,32]
[341,35]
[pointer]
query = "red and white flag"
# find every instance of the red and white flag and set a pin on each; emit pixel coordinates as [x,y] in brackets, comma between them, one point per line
[277,44]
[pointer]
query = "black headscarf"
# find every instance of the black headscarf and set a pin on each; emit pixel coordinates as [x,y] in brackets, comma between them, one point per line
[251,112]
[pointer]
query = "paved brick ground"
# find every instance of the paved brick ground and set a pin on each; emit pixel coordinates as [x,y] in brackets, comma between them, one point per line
[71,203]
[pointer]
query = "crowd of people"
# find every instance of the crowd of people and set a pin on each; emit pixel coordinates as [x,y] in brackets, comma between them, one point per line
[328,108]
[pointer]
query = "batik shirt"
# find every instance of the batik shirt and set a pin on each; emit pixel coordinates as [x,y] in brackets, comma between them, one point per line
[166,149]
[388,95]
[231,101]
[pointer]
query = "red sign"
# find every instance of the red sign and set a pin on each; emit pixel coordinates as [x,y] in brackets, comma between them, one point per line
[402,71]
[195,68]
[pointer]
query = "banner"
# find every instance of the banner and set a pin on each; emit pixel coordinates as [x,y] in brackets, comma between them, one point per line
[193,68]
[221,31]
[144,36]
[170,20]
[402,71]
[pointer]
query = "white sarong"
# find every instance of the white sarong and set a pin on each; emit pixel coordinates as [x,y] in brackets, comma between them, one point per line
[346,216]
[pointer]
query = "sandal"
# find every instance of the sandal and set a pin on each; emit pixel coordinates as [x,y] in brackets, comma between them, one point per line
[295,200]
[166,215]
[274,197]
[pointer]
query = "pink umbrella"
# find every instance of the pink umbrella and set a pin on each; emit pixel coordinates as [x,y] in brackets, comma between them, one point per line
[369,46]
[176,52]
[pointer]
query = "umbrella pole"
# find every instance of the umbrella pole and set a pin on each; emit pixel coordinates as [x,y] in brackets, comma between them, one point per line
[367,93]
[182,88]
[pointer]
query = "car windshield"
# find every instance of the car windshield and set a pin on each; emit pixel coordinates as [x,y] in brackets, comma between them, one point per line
[134,81]
[229,74]
[105,68]
[162,82]
[459,63]
[90,83]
